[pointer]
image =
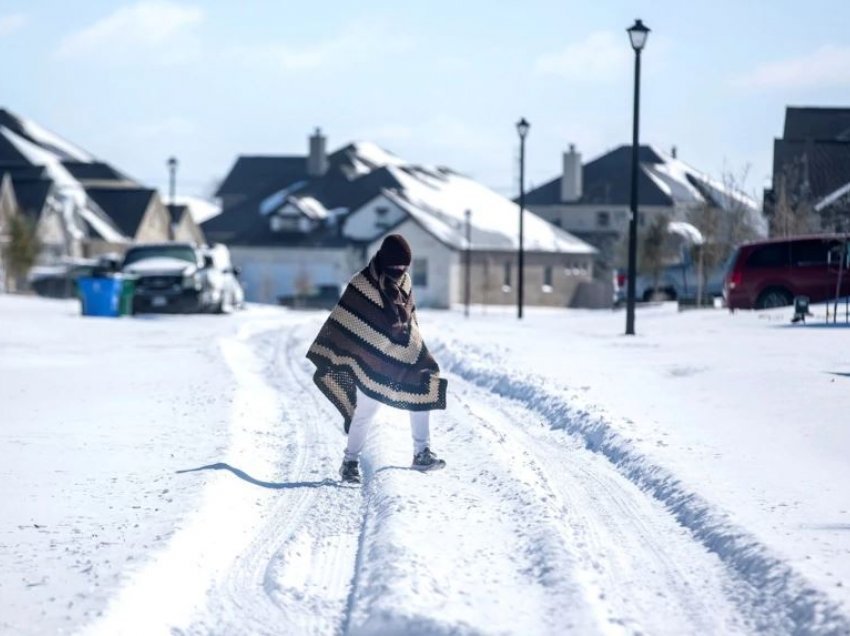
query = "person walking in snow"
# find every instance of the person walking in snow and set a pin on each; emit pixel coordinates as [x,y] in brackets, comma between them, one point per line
[369,352]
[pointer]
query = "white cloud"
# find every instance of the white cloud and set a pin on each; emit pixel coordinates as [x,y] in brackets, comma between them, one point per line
[600,57]
[827,66]
[358,43]
[11,22]
[156,26]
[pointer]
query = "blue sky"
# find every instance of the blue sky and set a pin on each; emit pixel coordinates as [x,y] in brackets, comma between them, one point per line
[436,82]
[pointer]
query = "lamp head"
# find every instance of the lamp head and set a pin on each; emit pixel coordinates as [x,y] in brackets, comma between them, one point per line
[638,33]
[522,127]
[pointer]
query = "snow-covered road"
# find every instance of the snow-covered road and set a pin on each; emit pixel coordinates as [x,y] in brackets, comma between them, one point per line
[530,530]
[527,533]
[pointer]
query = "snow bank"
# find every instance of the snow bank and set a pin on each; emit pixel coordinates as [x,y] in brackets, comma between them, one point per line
[791,599]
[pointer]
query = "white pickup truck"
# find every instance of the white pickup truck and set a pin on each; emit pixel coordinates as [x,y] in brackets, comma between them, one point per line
[182,278]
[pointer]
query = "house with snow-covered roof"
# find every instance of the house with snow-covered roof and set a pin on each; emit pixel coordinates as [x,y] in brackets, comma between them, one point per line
[55,183]
[319,227]
[593,200]
[33,158]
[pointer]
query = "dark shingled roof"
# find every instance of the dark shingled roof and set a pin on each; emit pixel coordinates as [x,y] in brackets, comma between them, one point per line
[20,170]
[235,219]
[253,174]
[12,122]
[827,164]
[95,171]
[176,211]
[9,154]
[607,181]
[243,224]
[260,234]
[32,194]
[125,206]
[820,124]
[335,190]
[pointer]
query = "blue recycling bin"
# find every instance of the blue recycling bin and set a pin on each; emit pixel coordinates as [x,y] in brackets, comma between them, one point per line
[101,296]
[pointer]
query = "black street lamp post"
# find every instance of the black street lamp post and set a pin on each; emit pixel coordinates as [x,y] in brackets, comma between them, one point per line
[637,34]
[522,127]
[172,179]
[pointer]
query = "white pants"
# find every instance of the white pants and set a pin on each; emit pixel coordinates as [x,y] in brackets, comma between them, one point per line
[365,413]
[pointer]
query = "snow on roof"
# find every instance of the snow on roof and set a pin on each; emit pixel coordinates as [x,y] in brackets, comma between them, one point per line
[199,209]
[438,200]
[832,197]
[72,195]
[686,231]
[277,199]
[44,137]
[374,156]
[675,178]
[673,182]
[311,207]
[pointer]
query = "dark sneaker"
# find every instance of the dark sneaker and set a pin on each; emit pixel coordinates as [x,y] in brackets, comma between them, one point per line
[350,471]
[426,460]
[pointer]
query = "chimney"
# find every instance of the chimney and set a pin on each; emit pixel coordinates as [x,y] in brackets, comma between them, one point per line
[673,152]
[317,161]
[571,180]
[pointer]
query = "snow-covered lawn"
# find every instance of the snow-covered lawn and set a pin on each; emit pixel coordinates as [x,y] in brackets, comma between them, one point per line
[177,474]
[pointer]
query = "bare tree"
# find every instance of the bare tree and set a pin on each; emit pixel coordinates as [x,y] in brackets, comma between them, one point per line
[793,210]
[724,224]
[22,250]
[652,256]
[835,217]
[740,221]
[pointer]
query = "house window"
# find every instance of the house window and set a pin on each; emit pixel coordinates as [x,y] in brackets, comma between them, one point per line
[284,223]
[420,272]
[547,279]
[506,282]
[382,218]
[603,219]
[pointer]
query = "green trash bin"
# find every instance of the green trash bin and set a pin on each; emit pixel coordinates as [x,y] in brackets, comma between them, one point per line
[128,289]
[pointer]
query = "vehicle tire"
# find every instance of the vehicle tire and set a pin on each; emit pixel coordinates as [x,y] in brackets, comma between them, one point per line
[774,297]
[659,295]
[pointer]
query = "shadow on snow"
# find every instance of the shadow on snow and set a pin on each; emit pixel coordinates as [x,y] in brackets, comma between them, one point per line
[263,484]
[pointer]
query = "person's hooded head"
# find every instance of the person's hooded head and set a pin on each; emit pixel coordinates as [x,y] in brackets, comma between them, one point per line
[394,256]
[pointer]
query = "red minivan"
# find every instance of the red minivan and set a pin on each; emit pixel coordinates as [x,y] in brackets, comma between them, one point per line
[771,273]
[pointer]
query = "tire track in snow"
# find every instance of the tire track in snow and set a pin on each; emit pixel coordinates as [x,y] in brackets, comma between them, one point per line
[559,521]
[587,549]
[294,576]
[647,573]
[468,550]
[782,601]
